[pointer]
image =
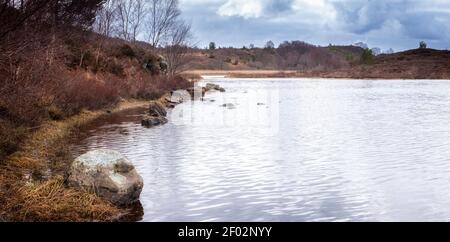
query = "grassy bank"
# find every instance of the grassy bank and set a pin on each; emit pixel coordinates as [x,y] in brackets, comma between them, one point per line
[32,183]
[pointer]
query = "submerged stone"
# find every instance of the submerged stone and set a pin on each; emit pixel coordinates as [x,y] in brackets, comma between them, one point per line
[228,105]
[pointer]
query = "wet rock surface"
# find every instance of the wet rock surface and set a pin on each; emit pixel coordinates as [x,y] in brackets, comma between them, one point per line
[156,115]
[157,109]
[151,121]
[214,87]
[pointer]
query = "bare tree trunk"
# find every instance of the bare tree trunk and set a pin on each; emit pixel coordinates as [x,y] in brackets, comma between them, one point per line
[163,16]
[177,52]
[131,13]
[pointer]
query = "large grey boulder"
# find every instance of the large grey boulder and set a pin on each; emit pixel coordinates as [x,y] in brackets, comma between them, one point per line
[107,173]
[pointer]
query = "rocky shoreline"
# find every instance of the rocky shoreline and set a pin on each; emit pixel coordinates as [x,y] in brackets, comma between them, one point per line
[54,192]
[157,111]
[109,174]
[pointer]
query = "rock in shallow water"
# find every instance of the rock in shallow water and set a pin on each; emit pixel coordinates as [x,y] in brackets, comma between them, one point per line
[211,86]
[228,105]
[151,121]
[107,173]
[157,109]
[156,115]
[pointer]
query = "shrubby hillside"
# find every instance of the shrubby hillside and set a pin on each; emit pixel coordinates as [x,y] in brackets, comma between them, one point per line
[53,65]
[305,60]
[294,55]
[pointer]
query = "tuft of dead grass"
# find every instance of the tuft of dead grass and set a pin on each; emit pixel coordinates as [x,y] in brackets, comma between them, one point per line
[52,201]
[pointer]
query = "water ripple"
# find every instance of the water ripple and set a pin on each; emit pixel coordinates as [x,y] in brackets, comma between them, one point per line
[339,150]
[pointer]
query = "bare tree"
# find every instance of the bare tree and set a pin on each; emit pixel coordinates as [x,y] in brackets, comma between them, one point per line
[106,17]
[163,16]
[131,14]
[178,48]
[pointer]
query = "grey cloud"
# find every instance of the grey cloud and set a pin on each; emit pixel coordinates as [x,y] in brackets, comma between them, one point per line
[399,24]
[279,6]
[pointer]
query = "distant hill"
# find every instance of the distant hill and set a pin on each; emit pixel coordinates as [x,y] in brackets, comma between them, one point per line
[331,61]
[295,55]
[411,64]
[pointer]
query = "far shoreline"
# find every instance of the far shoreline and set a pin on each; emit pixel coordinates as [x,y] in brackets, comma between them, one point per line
[291,74]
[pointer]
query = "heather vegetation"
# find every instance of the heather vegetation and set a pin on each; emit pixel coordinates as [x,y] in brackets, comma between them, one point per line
[53,65]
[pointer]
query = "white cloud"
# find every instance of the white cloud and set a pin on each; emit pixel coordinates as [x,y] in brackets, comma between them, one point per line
[320,10]
[245,9]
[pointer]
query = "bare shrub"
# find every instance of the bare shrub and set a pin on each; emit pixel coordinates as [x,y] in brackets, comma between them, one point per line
[82,92]
[160,85]
[177,53]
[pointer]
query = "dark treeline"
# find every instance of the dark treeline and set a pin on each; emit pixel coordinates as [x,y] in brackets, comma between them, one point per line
[301,55]
[53,15]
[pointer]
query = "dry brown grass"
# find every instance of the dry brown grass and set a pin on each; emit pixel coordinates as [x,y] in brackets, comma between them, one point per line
[52,201]
[45,153]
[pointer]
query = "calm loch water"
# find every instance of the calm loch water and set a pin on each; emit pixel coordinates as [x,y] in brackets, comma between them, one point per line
[293,150]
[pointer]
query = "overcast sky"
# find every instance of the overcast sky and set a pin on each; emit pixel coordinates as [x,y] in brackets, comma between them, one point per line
[397,24]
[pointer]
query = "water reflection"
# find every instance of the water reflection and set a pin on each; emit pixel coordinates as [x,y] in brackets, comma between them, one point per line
[319,150]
